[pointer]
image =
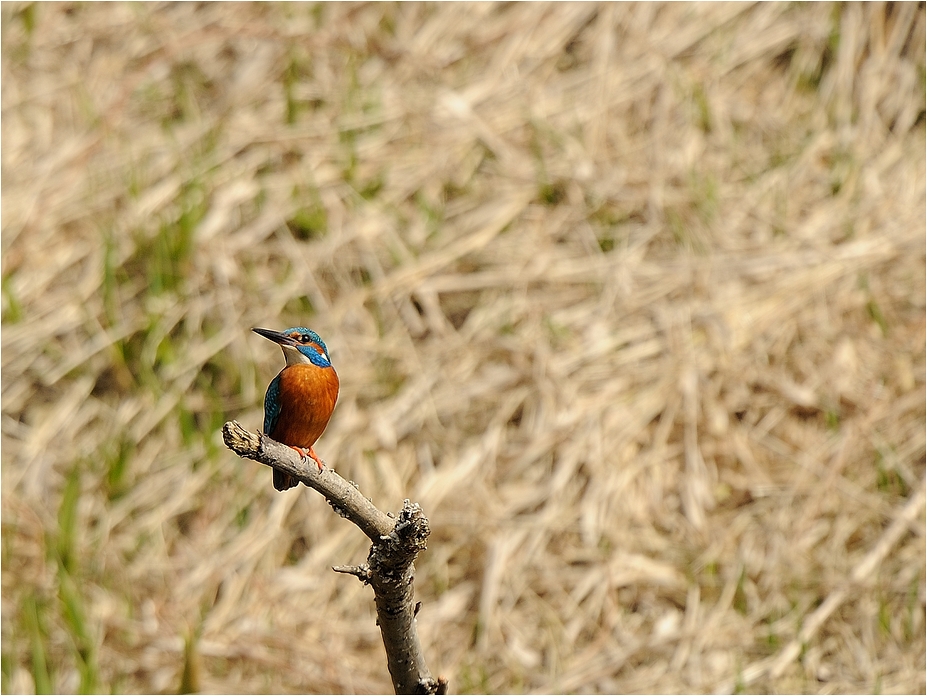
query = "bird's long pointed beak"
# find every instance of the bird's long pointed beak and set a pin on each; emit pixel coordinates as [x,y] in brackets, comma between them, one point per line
[276,337]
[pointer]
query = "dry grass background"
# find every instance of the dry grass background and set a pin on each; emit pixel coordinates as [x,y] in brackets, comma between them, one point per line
[630,298]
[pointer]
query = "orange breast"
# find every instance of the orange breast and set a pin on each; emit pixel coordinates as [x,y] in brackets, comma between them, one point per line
[307,399]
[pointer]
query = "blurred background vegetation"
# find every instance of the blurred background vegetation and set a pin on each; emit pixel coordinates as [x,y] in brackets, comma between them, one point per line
[630,297]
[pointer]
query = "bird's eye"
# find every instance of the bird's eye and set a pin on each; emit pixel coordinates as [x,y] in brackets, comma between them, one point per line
[304,338]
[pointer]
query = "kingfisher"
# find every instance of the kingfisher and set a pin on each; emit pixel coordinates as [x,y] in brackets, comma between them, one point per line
[300,400]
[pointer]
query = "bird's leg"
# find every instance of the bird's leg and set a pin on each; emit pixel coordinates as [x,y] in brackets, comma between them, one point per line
[309,454]
[317,459]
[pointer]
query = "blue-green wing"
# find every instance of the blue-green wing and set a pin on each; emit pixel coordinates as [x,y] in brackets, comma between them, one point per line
[272,406]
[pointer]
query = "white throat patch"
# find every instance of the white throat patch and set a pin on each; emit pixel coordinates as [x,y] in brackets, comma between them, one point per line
[294,357]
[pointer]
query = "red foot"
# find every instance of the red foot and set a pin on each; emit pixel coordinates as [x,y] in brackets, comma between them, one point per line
[310,453]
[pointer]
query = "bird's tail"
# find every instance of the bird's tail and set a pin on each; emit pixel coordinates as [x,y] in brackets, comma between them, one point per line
[283,481]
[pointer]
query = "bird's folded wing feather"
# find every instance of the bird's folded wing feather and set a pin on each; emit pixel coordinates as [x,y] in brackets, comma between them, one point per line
[272,406]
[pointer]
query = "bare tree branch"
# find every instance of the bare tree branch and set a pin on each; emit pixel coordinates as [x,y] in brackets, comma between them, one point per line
[390,566]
